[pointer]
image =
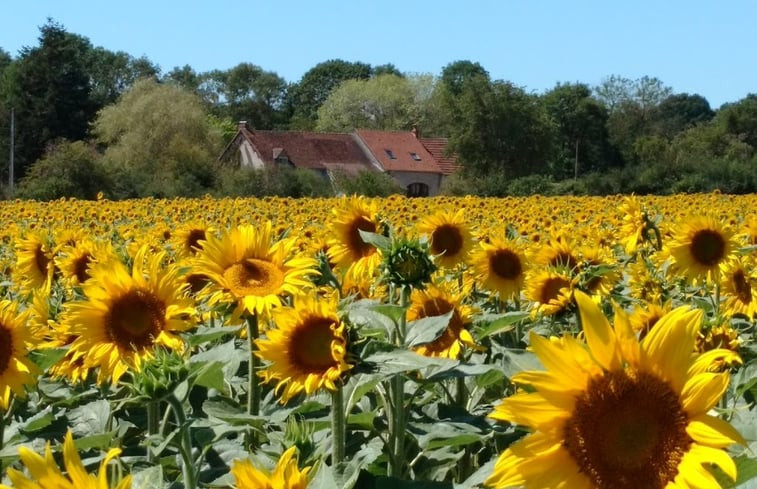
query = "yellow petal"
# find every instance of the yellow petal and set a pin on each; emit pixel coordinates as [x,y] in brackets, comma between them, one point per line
[629,345]
[703,391]
[713,358]
[715,432]
[714,456]
[559,361]
[599,335]
[530,409]
[668,347]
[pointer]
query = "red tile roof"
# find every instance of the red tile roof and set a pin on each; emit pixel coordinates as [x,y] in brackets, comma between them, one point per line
[394,151]
[313,150]
[438,149]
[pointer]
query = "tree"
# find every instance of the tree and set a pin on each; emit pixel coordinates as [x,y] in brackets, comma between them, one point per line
[581,133]
[679,112]
[159,140]
[456,74]
[630,104]
[316,84]
[247,92]
[740,119]
[49,88]
[5,60]
[386,102]
[497,128]
[112,73]
[69,169]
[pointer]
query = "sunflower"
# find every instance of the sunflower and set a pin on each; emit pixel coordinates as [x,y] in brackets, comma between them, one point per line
[598,270]
[74,261]
[739,287]
[499,266]
[346,248]
[189,238]
[247,270]
[34,264]
[127,314]
[45,473]
[16,370]
[307,349]
[549,291]
[718,336]
[438,301]
[643,318]
[451,239]
[616,413]
[286,475]
[634,224]
[701,247]
[558,253]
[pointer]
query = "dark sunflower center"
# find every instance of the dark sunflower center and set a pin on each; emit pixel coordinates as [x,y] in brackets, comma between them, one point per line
[6,348]
[356,243]
[742,286]
[193,240]
[80,267]
[196,281]
[310,345]
[446,239]
[505,264]
[628,430]
[551,288]
[135,319]
[564,259]
[707,247]
[41,260]
[440,307]
[253,277]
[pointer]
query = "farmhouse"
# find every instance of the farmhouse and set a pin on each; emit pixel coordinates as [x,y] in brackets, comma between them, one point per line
[417,164]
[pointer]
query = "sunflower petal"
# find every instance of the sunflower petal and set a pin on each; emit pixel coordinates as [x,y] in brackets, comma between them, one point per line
[599,335]
[668,347]
[703,391]
[714,432]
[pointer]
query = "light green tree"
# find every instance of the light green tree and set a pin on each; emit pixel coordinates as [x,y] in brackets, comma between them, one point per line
[160,139]
[388,102]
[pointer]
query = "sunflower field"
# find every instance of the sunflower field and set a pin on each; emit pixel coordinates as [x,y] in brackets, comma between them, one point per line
[540,342]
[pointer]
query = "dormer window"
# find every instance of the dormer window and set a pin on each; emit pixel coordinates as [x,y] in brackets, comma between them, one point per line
[390,154]
[415,156]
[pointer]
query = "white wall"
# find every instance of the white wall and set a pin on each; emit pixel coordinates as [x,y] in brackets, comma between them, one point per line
[405,178]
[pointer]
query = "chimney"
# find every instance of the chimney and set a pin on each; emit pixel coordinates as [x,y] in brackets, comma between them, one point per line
[416,132]
[242,125]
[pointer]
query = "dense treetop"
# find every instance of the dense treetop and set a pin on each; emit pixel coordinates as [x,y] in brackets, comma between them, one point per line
[622,135]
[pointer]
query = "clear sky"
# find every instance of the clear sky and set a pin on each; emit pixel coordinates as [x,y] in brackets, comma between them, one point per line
[698,46]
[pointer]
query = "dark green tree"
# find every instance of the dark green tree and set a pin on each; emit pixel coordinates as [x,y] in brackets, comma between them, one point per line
[247,92]
[497,128]
[49,88]
[5,60]
[740,119]
[307,95]
[456,74]
[112,73]
[580,121]
[679,112]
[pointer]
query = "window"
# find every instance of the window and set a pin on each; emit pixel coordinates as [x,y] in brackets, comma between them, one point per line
[415,156]
[417,189]
[390,154]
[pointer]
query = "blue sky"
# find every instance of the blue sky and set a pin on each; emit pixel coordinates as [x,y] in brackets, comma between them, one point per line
[696,46]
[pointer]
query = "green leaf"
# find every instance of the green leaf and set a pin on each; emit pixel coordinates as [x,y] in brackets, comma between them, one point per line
[371,319]
[458,369]
[517,360]
[425,330]
[747,471]
[48,357]
[39,421]
[229,413]
[101,441]
[205,334]
[400,361]
[381,242]
[503,323]
[209,375]
[443,433]
[151,478]
[90,419]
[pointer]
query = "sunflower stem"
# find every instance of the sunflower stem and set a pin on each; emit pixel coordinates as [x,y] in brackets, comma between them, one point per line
[396,465]
[338,426]
[153,413]
[185,449]
[253,386]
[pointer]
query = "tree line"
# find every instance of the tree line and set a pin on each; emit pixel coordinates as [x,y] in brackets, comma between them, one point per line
[88,119]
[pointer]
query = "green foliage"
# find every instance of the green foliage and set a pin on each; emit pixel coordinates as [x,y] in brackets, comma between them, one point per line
[387,102]
[368,183]
[280,181]
[316,85]
[160,141]
[69,169]
[740,119]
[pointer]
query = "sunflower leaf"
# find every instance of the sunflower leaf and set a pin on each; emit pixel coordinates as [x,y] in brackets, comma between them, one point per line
[502,323]
[381,242]
[426,330]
